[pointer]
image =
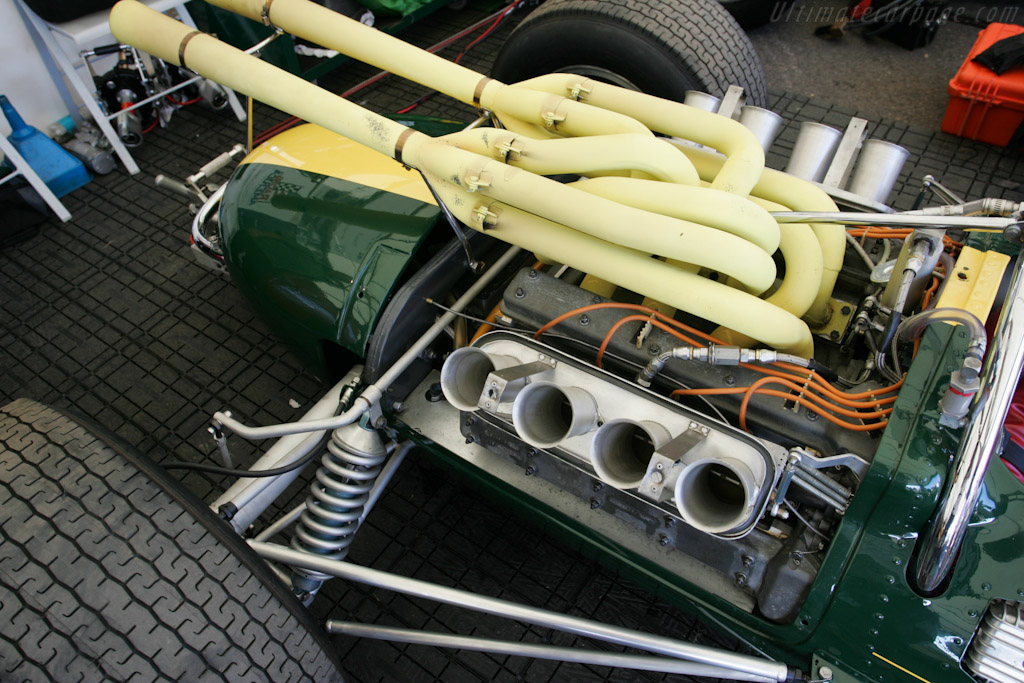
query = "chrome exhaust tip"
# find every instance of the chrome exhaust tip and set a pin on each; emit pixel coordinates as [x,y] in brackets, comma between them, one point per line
[545,414]
[716,495]
[763,123]
[702,100]
[464,375]
[878,168]
[815,146]
[622,449]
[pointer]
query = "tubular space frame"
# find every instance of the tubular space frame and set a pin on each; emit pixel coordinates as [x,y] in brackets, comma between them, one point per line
[729,664]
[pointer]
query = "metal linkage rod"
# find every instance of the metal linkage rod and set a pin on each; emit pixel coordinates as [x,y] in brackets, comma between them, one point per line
[902,220]
[773,671]
[576,655]
[373,393]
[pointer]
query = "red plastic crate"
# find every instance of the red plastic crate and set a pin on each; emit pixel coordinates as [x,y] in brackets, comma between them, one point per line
[982,105]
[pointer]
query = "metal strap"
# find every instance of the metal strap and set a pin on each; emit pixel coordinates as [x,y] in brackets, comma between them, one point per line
[181,47]
[400,143]
[479,90]
[265,14]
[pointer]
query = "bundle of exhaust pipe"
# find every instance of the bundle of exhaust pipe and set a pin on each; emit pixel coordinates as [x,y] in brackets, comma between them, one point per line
[655,215]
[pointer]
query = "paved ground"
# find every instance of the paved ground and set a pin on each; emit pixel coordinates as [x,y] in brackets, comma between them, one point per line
[867,73]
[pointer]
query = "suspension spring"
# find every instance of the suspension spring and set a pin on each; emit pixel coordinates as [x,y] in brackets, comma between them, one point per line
[348,470]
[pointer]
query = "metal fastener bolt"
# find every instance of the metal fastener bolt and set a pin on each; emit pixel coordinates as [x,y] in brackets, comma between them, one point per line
[846,310]
[470,439]
[657,478]
[534,274]
[470,421]
[598,486]
[663,539]
[654,349]
[594,503]
[812,416]
[397,407]
[741,579]
[834,334]
[747,560]
[669,522]
[530,471]
[825,673]
[520,292]
[531,453]
[729,380]
[584,319]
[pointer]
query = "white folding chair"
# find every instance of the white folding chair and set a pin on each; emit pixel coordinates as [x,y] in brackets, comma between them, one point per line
[90,31]
[21,167]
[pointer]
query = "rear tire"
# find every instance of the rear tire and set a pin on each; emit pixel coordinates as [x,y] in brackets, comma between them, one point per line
[111,570]
[660,47]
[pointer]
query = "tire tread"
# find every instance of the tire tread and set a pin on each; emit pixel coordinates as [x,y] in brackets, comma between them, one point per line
[702,28]
[113,578]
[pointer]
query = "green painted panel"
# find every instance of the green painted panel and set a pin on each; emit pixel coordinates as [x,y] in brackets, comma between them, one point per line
[318,257]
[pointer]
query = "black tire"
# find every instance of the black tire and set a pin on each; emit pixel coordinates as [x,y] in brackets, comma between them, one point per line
[111,570]
[753,13]
[661,47]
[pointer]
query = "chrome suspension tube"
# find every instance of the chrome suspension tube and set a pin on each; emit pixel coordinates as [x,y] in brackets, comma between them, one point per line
[373,393]
[618,660]
[774,671]
[941,541]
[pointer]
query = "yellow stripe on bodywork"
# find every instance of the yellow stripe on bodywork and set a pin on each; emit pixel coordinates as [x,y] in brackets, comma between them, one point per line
[974,282]
[317,150]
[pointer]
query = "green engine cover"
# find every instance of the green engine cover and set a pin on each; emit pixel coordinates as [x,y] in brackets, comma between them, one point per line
[317,232]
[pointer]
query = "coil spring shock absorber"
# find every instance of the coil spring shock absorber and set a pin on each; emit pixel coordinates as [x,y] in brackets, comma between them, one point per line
[348,471]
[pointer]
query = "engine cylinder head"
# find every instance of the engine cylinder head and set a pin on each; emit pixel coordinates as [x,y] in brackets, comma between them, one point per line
[815,146]
[622,450]
[716,495]
[545,414]
[464,375]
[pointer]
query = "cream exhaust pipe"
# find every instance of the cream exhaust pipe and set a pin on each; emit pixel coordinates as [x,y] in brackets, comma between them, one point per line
[545,414]
[484,181]
[464,376]
[815,146]
[622,450]
[878,168]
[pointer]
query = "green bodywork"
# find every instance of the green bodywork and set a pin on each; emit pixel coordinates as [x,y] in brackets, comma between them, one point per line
[861,607]
[318,257]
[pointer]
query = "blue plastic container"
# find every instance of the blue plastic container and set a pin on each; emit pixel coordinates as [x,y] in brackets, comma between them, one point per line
[57,167]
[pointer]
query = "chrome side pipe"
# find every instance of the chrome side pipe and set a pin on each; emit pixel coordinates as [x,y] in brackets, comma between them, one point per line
[940,543]
[536,651]
[728,664]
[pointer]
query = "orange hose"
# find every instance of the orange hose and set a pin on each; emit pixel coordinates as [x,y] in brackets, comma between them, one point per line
[819,380]
[487,327]
[756,387]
